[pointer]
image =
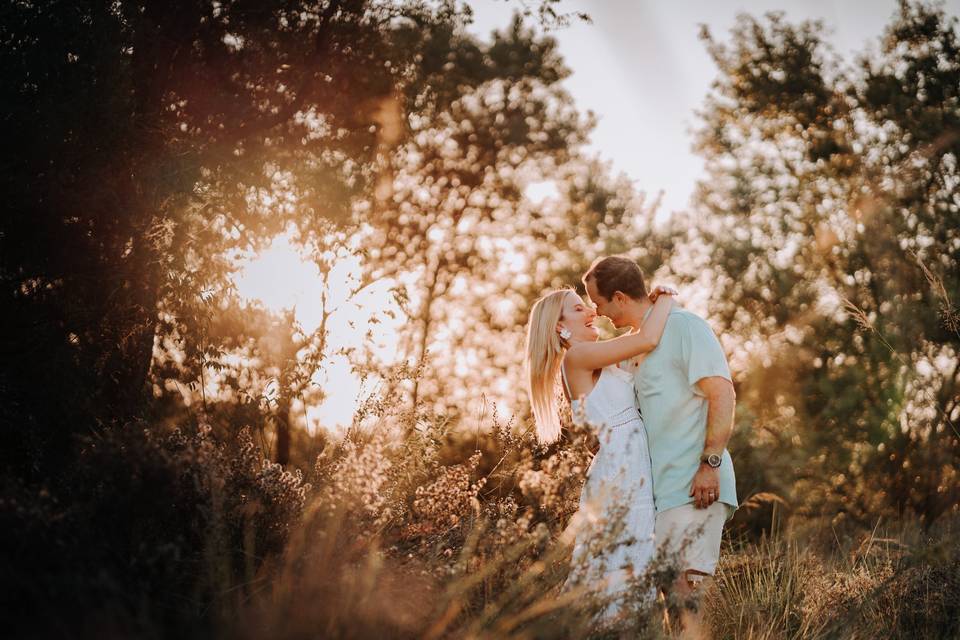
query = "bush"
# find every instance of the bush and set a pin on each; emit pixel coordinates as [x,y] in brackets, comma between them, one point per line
[149,534]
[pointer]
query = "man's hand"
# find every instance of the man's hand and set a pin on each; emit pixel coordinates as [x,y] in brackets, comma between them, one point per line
[662,290]
[705,487]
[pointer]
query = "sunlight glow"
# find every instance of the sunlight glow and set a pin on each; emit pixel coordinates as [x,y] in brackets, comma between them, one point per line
[282,277]
[537,192]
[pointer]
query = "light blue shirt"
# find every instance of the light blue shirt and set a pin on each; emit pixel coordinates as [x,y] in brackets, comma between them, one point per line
[674,408]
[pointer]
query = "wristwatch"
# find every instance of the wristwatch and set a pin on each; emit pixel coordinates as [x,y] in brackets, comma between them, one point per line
[712,459]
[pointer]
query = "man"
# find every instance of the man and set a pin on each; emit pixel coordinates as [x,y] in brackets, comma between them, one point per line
[686,397]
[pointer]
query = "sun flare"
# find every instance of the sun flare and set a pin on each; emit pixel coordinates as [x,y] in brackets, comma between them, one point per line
[282,277]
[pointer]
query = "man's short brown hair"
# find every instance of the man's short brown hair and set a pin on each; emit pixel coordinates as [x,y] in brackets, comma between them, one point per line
[617,273]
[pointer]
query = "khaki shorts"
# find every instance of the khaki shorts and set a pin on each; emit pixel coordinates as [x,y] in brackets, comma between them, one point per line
[702,527]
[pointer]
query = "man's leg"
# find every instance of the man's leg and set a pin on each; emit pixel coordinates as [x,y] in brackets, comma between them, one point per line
[694,535]
[691,587]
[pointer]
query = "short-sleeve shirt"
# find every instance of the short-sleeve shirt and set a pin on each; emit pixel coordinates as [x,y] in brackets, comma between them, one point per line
[674,408]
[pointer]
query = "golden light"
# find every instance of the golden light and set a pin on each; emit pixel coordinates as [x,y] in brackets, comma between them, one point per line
[282,277]
[537,192]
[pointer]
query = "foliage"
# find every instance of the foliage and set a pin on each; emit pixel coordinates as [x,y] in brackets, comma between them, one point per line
[156,532]
[877,584]
[831,222]
[142,147]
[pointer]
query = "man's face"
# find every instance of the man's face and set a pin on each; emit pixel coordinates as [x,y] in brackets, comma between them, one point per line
[608,308]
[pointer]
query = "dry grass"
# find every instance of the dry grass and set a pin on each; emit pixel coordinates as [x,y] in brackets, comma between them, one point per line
[395,544]
[897,583]
[436,535]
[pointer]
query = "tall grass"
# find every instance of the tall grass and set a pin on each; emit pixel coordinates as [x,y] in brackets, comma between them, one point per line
[394,543]
[429,534]
[892,582]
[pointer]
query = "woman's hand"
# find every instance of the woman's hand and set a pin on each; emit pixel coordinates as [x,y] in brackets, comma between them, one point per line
[662,290]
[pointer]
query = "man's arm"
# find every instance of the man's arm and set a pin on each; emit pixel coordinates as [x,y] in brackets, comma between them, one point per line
[708,372]
[721,400]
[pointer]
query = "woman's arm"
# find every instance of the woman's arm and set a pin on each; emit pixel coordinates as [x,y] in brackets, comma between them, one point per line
[595,355]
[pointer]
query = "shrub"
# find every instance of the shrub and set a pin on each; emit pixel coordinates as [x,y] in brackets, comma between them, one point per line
[149,533]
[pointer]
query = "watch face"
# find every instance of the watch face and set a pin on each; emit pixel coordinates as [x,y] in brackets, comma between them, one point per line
[714,460]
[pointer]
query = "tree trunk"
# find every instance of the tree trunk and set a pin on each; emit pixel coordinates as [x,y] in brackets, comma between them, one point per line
[425,320]
[282,417]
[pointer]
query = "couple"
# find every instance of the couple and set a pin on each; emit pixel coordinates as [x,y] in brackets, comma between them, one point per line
[668,472]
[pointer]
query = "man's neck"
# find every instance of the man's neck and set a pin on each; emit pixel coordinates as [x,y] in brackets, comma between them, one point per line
[635,311]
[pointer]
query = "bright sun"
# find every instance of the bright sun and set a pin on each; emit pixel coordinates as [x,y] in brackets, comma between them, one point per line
[281,277]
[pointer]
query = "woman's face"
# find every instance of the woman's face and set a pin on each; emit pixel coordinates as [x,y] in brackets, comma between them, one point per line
[578,317]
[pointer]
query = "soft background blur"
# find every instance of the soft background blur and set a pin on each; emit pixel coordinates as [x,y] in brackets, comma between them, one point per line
[266,267]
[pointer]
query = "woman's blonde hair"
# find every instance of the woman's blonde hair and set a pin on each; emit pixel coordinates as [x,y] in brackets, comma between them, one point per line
[545,351]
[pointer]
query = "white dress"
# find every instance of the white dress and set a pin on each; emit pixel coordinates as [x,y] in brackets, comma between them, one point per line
[619,478]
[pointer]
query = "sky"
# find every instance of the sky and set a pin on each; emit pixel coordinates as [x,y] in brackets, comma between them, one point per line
[642,69]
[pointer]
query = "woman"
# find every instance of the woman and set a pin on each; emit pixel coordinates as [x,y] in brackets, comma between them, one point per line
[563,343]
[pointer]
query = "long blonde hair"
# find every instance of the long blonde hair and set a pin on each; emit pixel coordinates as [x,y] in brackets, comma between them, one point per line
[545,351]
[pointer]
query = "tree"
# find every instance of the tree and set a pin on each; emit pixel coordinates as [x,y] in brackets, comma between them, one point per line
[490,113]
[146,144]
[831,218]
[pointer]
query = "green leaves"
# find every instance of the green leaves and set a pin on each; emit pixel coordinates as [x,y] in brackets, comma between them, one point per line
[829,182]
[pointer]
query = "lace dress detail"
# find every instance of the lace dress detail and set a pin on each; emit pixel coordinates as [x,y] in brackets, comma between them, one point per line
[618,491]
